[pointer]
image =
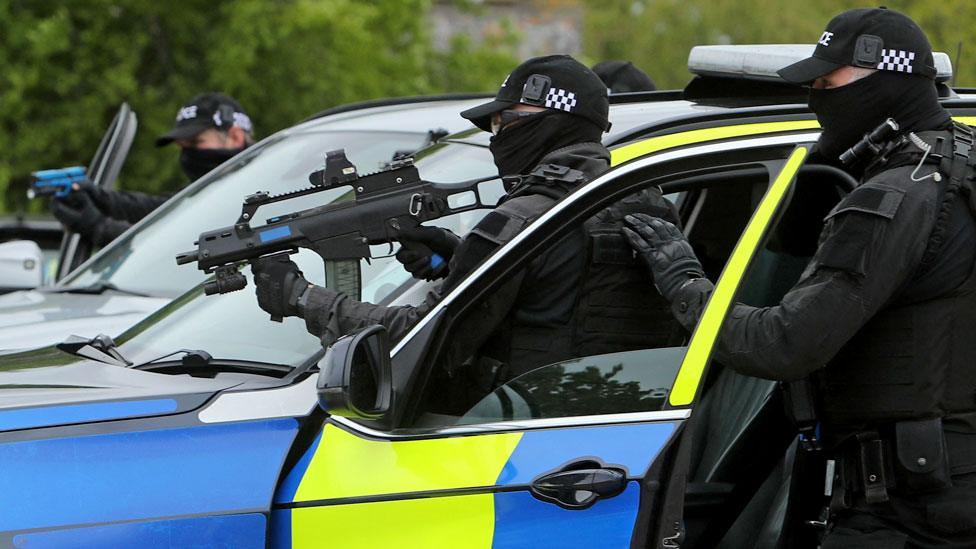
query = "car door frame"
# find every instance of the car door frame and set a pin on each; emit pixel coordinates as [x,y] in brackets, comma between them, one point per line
[102,172]
[416,345]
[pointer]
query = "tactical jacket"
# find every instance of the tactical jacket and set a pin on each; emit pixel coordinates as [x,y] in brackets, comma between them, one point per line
[564,303]
[886,307]
[122,209]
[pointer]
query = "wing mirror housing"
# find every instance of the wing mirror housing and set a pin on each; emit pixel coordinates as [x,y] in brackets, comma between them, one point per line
[21,265]
[355,375]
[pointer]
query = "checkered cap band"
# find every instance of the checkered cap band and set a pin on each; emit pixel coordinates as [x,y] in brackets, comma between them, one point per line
[896,60]
[560,99]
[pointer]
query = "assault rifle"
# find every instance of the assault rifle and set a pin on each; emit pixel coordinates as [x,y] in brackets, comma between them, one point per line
[386,202]
[55,182]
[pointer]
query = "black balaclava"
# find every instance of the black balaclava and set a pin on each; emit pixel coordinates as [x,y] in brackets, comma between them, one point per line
[197,162]
[848,112]
[520,146]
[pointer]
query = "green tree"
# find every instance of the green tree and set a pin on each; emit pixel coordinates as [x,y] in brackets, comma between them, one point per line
[66,65]
[658,34]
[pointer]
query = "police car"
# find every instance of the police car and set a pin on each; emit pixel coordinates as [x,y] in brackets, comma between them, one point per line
[209,426]
[135,275]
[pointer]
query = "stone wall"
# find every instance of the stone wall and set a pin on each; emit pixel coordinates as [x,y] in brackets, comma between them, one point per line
[543,26]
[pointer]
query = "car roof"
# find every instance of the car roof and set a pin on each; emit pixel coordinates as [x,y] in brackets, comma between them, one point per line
[412,114]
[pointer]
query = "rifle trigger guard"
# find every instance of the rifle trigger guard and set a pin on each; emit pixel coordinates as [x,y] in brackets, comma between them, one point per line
[416,204]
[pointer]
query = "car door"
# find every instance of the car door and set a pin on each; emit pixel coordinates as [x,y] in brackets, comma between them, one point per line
[573,454]
[102,172]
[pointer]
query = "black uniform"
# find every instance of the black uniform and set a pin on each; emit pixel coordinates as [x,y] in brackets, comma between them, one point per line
[122,209]
[884,315]
[580,297]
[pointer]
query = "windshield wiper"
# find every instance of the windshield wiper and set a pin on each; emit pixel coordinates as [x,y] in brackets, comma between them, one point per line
[100,348]
[200,363]
[97,288]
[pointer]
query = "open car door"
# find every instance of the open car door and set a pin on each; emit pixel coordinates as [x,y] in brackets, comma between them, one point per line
[582,453]
[102,172]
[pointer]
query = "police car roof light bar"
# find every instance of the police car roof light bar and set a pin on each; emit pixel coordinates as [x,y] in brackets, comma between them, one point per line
[761,61]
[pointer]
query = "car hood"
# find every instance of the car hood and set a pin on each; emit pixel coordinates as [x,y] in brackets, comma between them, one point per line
[33,319]
[86,381]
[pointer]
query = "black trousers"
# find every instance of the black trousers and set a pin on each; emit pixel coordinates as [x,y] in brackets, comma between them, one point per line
[942,519]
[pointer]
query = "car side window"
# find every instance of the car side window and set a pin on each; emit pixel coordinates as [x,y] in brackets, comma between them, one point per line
[599,357]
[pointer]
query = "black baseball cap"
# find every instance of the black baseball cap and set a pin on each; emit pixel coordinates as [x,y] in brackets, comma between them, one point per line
[207,110]
[554,82]
[875,38]
[623,77]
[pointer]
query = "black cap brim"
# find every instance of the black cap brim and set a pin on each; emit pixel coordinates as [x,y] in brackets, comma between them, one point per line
[481,115]
[807,70]
[181,132]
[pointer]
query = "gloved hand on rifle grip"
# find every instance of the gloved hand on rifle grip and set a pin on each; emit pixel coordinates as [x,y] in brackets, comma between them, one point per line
[665,251]
[278,284]
[426,251]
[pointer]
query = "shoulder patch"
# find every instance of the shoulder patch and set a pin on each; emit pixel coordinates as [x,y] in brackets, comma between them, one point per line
[879,200]
[498,227]
[510,217]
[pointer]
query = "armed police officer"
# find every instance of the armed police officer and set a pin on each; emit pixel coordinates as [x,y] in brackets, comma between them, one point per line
[209,130]
[547,122]
[882,316]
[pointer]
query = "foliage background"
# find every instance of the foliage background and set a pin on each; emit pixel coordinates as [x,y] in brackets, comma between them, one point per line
[657,34]
[65,65]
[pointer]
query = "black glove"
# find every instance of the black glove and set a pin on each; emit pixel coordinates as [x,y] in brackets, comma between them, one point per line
[77,213]
[278,285]
[665,251]
[426,251]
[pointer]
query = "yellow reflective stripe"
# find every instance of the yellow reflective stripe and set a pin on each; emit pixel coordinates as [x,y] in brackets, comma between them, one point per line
[702,341]
[345,465]
[424,523]
[654,144]
[971,120]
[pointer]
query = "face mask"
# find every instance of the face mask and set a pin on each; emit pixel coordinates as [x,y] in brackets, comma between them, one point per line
[197,162]
[519,147]
[846,114]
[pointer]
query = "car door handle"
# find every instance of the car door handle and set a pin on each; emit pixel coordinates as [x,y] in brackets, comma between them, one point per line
[579,488]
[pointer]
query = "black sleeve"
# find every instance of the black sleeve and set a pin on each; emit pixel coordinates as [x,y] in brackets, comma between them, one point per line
[330,315]
[871,245]
[128,206]
[108,230]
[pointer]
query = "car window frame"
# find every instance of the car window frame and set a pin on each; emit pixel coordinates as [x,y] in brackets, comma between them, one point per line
[409,362]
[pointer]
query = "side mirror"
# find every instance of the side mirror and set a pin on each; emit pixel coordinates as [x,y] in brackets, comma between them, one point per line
[355,377]
[21,265]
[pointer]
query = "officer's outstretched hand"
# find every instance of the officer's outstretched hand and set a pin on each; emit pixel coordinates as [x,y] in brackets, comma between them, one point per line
[426,251]
[278,285]
[77,213]
[665,251]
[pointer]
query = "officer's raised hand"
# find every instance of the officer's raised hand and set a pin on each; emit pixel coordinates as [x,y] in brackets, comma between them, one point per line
[426,251]
[77,212]
[278,284]
[665,251]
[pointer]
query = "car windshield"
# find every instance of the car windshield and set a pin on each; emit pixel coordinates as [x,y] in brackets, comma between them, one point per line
[142,261]
[232,327]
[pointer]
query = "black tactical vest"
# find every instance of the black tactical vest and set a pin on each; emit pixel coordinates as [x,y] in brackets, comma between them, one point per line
[603,303]
[917,357]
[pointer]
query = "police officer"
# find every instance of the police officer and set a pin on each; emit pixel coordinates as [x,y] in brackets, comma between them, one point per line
[210,129]
[547,121]
[883,314]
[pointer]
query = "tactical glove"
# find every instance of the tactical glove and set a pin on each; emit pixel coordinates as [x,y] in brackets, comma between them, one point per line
[278,284]
[426,251]
[665,251]
[77,213]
